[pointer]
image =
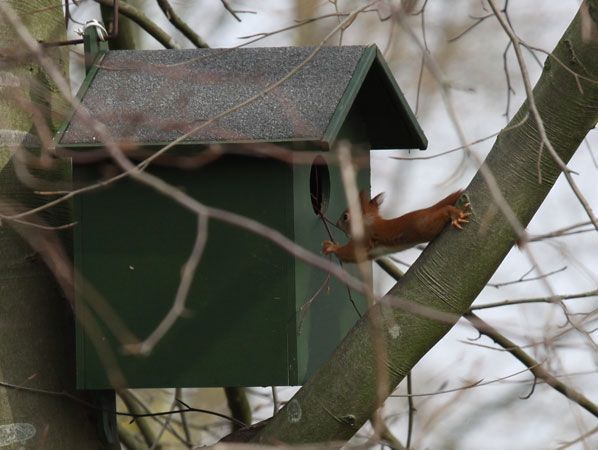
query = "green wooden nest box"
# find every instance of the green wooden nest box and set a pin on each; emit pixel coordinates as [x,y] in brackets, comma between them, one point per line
[256,315]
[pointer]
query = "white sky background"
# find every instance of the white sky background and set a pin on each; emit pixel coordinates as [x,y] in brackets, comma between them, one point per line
[474,67]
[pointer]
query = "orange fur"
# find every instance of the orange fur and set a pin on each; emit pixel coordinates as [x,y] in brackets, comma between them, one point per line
[383,236]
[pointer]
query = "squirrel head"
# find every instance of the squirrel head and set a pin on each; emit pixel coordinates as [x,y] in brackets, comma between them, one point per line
[369,212]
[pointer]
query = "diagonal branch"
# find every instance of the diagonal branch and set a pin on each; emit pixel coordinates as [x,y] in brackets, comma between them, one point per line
[148,25]
[534,366]
[181,25]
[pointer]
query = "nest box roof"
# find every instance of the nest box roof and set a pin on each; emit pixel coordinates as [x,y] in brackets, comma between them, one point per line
[278,94]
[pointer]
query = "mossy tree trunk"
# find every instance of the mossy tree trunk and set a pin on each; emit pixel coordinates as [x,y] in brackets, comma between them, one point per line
[452,271]
[36,321]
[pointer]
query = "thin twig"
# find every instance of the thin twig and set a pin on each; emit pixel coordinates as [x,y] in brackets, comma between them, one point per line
[411,417]
[472,385]
[343,25]
[523,278]
[510,90]
[387,438]
[462,147]
[523,301]
[187,409]
[584,436]
[477,21]
[66,226]
[565,231]
[233,12]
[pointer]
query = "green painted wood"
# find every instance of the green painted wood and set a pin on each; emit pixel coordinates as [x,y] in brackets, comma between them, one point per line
[344,106]
[94,47]
[407,117]
[326,308]
[374,91]
[131,246]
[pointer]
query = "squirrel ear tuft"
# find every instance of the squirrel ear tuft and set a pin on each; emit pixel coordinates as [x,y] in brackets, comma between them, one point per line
[378,199]
[364,199]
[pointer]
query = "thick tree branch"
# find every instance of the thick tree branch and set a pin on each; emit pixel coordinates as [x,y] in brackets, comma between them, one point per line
[239,406]
[455,267]
[180,24]
[144,427]
[144,22]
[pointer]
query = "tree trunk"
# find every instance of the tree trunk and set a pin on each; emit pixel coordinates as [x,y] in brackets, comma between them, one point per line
[36,321]
[452,271]
[128,32]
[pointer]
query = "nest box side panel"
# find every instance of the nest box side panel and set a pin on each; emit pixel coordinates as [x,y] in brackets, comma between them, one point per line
[326,308]
[131,244]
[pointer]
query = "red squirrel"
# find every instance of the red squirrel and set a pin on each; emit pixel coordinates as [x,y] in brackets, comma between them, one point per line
[383,236]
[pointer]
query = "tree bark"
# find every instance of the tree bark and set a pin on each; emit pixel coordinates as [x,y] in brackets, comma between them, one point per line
[36,321]
[128,33]
[452,271]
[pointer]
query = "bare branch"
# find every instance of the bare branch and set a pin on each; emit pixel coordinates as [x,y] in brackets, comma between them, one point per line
[553,300]
[477,21]
[581,438]
[461,147]
[148,25]
[233,12]
[181,25]
[524,278]
[534,366]
[411,409]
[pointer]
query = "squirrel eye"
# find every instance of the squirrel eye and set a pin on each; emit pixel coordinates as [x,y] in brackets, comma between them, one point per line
[346,216]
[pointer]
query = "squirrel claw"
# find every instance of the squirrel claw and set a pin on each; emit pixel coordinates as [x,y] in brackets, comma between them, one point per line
[461,218]
[457,223]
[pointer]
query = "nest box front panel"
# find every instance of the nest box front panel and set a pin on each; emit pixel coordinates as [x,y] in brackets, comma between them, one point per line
[131,244]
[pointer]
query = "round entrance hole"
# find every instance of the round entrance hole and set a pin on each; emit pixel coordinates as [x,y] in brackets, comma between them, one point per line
[319,185]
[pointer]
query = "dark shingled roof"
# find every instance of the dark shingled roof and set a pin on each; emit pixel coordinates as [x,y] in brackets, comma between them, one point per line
[156,96]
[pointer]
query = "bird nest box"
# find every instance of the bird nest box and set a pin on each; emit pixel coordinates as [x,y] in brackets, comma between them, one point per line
[257,126]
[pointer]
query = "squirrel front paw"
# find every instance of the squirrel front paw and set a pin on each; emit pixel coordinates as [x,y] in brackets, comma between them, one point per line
[460,218]
[329,247]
